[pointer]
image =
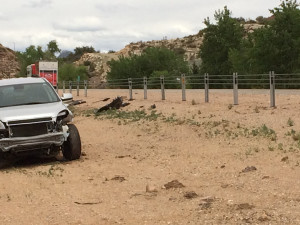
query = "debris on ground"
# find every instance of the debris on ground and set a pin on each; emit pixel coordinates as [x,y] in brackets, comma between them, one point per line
[76,102]
[249,169]
[173,184]
[104,100]
[118,178]
[153,106]
[284,159]
[115,104]
[122,156]
[87,203]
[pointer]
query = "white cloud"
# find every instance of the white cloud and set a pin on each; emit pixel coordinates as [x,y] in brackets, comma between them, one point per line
[2,16]
[37,3]
[81,24]
[110,25]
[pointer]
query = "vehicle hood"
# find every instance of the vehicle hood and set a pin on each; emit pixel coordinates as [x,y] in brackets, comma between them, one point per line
[26,112]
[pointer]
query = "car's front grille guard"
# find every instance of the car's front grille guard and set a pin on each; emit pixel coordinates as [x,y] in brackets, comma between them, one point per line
[49,124]
[26,122]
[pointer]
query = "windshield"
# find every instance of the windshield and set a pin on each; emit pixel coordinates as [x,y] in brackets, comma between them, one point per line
[27,94]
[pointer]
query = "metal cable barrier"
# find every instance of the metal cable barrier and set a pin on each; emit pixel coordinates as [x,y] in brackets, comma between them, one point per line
[206,82]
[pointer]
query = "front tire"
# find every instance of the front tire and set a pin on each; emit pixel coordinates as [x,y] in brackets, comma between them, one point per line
[72,147]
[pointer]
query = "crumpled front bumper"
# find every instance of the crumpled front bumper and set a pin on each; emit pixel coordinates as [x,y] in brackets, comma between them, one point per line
[19,144]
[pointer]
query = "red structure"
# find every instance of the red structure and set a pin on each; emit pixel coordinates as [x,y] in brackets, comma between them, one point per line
[48,70]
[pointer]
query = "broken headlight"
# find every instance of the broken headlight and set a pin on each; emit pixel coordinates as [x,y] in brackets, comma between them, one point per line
[62,114]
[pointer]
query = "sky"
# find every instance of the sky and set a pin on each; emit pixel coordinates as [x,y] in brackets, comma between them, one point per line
[112,24]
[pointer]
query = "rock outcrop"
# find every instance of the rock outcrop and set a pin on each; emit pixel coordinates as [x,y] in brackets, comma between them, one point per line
[97,64]
[189,46]
[9,65]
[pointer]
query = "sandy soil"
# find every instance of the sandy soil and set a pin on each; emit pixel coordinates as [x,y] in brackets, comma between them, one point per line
[181,163]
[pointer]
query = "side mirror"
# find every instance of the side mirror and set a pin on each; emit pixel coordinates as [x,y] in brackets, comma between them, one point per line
[67,97]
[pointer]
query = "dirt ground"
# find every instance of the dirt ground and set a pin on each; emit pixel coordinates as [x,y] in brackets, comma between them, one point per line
[167,162]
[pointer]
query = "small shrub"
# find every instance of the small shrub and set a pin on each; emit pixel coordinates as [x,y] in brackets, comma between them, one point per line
[290,122]
[265,132]
[296,136]
[271,148]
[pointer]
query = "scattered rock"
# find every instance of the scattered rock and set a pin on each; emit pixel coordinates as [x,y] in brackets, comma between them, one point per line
[172,199]
[206,202]
[223,166]
[174,184]
[153,106]
[244,206]
[151,188]
[264,217]
[118,178]
[190,195]
[205,205]
[249,169]
[284,159]
[265,177]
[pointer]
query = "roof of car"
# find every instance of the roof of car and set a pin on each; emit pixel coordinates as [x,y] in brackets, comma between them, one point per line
[23,80]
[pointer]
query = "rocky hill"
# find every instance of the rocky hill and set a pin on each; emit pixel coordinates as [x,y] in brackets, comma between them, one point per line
[189,46]
[97,62]
[9,65]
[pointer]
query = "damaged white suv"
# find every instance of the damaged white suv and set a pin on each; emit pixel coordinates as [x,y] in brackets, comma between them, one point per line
[34,120]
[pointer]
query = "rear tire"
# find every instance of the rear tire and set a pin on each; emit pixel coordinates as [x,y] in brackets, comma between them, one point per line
[72,147]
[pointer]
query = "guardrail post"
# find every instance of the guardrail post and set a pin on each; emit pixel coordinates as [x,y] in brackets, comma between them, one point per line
[145,87]
[77,88]
[85,88]
[64,87]
[235,89]
[272,88]
[183,87]
[70,86]
[162,84]
[130,88]
[206,83]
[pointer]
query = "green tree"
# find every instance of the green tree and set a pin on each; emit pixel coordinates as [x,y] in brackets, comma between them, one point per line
[29,56]
[273,47]
[171,82]
[152,59]
[286,37]
[70,72]
[218,40]
[53,47]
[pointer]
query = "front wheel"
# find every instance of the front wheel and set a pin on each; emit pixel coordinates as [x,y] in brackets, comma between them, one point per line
[72,147]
